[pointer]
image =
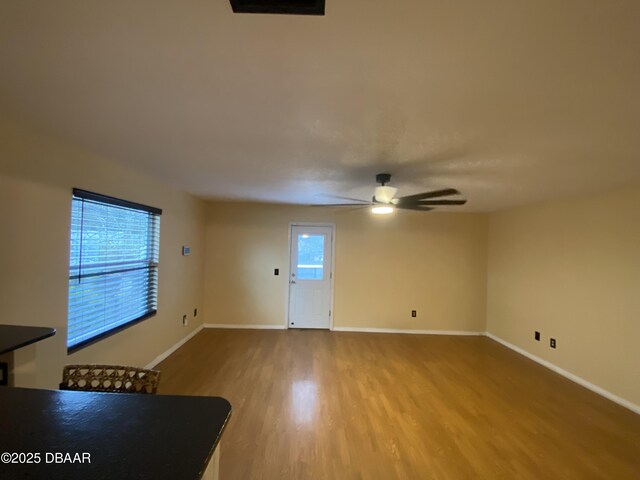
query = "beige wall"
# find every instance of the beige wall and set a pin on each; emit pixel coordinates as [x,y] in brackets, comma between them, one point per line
[36,177]
[384,267]
[571,270]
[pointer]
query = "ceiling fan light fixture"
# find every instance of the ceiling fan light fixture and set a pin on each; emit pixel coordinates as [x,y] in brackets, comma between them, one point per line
[384,200]
[384,194]
[382,209]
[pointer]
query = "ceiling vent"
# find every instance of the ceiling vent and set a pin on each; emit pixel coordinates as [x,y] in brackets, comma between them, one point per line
[283,7]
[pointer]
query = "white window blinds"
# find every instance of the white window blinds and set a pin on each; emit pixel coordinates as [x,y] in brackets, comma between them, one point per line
[113,268]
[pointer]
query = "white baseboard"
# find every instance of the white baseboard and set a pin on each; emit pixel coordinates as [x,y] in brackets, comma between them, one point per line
[350,329]
[249,327]
[574,378]
[175,347]
[414,332]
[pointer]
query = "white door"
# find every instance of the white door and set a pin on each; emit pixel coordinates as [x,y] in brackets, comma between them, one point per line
[310,277]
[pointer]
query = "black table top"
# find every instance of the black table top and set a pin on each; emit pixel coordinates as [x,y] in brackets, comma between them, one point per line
[127,436]
[13,337]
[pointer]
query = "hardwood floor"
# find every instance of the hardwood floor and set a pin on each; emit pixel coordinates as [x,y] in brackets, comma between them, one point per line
[332,405]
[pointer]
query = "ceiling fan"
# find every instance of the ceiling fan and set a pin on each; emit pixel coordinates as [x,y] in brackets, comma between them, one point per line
[384,199]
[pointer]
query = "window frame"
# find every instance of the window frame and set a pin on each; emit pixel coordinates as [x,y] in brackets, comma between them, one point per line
[107,200]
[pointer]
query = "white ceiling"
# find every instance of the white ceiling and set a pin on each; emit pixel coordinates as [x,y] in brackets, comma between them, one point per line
[510,102]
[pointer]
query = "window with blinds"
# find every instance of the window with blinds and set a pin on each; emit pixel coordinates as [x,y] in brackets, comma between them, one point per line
[113,268]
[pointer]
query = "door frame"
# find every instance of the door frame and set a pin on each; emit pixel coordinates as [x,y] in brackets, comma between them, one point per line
[333,269]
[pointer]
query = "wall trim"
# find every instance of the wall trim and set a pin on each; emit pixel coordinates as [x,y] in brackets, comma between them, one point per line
[574,378]
[172,349]
[414,332]
[242,326]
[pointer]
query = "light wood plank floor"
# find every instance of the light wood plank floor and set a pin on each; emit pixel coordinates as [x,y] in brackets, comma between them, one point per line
[330,405]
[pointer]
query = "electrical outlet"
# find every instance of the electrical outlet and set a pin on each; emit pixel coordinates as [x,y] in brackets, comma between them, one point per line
[414,313]
[552,342]
[537,336]
[276,271]
[185,322]
[195,312]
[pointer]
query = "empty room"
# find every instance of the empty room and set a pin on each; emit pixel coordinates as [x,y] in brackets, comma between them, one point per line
[319,239]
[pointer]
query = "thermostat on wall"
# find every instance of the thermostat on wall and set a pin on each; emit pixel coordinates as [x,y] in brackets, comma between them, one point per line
[186,251]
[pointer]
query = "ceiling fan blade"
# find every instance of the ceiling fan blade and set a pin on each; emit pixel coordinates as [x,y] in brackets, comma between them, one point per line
[347,198]
[438,202]
[355,208]
[414,207]
[425,195]
[342,205]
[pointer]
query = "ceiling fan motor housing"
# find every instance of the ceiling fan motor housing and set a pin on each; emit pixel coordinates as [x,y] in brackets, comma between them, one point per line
[383,178]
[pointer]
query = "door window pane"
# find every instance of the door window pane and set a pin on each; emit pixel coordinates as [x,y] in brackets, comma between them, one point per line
[310,257]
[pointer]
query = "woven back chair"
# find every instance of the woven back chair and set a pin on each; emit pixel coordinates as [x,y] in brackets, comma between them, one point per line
[109,378]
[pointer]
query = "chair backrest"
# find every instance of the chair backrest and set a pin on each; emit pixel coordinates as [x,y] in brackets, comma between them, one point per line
[109,378]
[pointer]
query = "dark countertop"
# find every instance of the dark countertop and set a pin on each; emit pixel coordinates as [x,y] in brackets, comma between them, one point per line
[13,337]
[128,436]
